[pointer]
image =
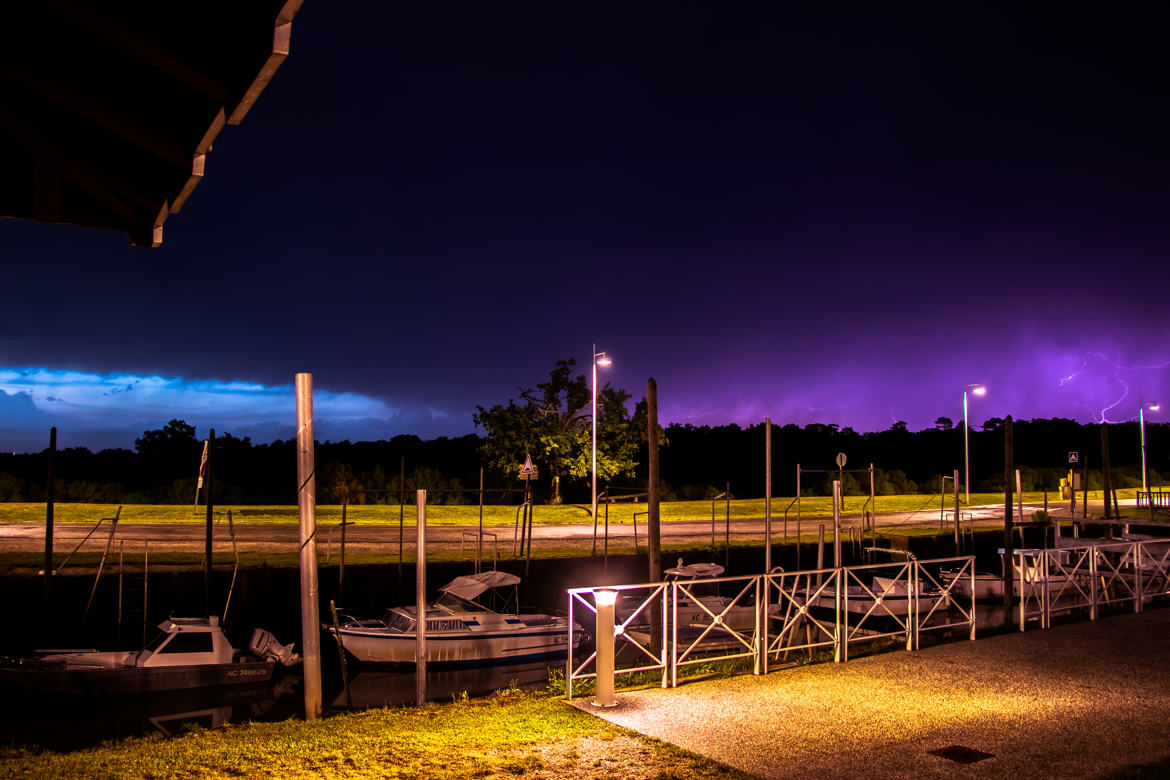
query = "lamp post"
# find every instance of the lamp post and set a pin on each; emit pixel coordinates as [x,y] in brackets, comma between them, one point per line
[976,389]
[599,359]
[1142,425]
[605,598]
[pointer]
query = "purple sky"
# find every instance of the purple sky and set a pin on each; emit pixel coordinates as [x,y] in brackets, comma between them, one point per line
[837,213]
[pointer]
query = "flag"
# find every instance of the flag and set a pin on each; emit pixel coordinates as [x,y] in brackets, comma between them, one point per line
[202,465]
[202,473]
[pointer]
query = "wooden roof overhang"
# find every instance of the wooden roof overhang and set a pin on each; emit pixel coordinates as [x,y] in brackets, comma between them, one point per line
[109,109]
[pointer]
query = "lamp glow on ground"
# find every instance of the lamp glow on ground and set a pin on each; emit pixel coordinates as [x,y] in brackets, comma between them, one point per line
[605,600]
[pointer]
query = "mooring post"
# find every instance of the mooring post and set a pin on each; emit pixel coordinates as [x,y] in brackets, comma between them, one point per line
[767,495]
[837,563]
[50,482]
[958,543]
[653,519]
[401,511]
[1008,512]
[209,531]
[307,510]
[420,603]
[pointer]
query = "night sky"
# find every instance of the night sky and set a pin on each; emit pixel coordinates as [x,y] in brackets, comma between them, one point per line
[817,212]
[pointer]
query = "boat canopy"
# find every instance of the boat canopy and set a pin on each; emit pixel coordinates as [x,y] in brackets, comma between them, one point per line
[471,585]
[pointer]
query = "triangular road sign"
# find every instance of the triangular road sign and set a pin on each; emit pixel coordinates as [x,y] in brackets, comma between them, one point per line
[527,468]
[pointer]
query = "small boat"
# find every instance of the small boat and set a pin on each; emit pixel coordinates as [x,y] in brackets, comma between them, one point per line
[988,586]
[885,606]
[458,630]
[703,603]
[188,653]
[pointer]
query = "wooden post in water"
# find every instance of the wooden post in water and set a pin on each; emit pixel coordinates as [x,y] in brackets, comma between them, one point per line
[958,526]
[767,495]
[341,565]
[1008,512]
[653,525]
[209,532]
[653,519]
[307,511]
[1107,473]
[1085,487]
[50,492]
[837,562]
[420,603]
[479,539]
[401,511]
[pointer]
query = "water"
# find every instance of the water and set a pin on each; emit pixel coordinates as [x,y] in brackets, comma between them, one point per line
[58,723]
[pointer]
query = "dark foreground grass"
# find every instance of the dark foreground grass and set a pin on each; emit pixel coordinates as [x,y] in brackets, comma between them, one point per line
[513,734]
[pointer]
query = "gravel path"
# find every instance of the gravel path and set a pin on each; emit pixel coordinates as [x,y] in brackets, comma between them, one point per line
[1073,701]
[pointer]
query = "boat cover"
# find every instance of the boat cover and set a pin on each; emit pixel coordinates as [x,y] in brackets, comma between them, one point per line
[696,570]
[471,585]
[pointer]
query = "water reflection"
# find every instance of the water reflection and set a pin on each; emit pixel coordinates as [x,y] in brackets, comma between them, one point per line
[373,687]
[62,722]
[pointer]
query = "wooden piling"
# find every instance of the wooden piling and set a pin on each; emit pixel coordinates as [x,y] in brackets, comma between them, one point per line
[307,511]
[50,491]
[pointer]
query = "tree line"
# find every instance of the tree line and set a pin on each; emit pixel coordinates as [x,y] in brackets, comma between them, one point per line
[552,424]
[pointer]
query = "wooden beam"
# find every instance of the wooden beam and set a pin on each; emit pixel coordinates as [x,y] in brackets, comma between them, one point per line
[128,41]
[281,37]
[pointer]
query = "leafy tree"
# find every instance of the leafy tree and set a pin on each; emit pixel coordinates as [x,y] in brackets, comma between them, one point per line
[175,439]
[944,423]
[552,424]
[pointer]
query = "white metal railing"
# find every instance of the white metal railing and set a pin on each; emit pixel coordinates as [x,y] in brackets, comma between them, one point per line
[951,609]
[640,615]
[715,630]
[796,592]
[663,626]
[1089,575]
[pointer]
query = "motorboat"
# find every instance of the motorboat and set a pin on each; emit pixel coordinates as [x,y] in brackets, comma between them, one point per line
[885,605]
[458,629]
[699,603]
[988,586]
[188,653]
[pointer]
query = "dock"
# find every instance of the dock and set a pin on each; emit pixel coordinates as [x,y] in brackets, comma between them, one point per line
[1073,701]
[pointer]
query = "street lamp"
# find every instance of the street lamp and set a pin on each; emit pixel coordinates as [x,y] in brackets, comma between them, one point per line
[1142,420]
[976,389]
[599,359]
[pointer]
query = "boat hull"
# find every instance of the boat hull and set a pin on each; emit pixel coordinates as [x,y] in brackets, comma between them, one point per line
[56,678]
[989,587]
[371,645]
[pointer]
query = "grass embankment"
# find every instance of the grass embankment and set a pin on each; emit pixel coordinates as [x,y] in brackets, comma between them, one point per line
[495,515]
[512,734]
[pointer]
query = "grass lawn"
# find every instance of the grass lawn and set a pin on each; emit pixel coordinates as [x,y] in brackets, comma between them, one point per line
[513,734]
[495,515]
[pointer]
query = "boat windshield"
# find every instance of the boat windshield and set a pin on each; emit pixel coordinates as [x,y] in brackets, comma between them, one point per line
[156,643]
[453,603]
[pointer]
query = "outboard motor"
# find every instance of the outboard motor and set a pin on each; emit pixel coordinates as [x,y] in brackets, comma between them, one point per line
[265,646]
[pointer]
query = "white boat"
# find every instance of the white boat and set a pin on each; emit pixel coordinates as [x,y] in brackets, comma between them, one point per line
[701,603]
[884,606]
[988,586]
[188,653]
[458,630]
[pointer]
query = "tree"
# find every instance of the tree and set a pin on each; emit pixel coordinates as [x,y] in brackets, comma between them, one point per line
[944,423]
[553,426]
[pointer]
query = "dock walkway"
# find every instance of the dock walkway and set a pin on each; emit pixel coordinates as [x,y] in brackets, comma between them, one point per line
[1073,701]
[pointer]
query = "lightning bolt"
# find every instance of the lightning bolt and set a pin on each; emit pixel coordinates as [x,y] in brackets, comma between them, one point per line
[1118,367]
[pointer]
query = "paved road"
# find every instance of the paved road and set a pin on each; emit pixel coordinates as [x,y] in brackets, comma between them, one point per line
[1068,702]
[30,537]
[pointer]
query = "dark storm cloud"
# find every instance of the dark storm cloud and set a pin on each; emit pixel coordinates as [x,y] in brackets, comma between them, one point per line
[819,213]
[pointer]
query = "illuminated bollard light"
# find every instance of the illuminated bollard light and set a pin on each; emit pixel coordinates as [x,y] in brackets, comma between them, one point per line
[605,600]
